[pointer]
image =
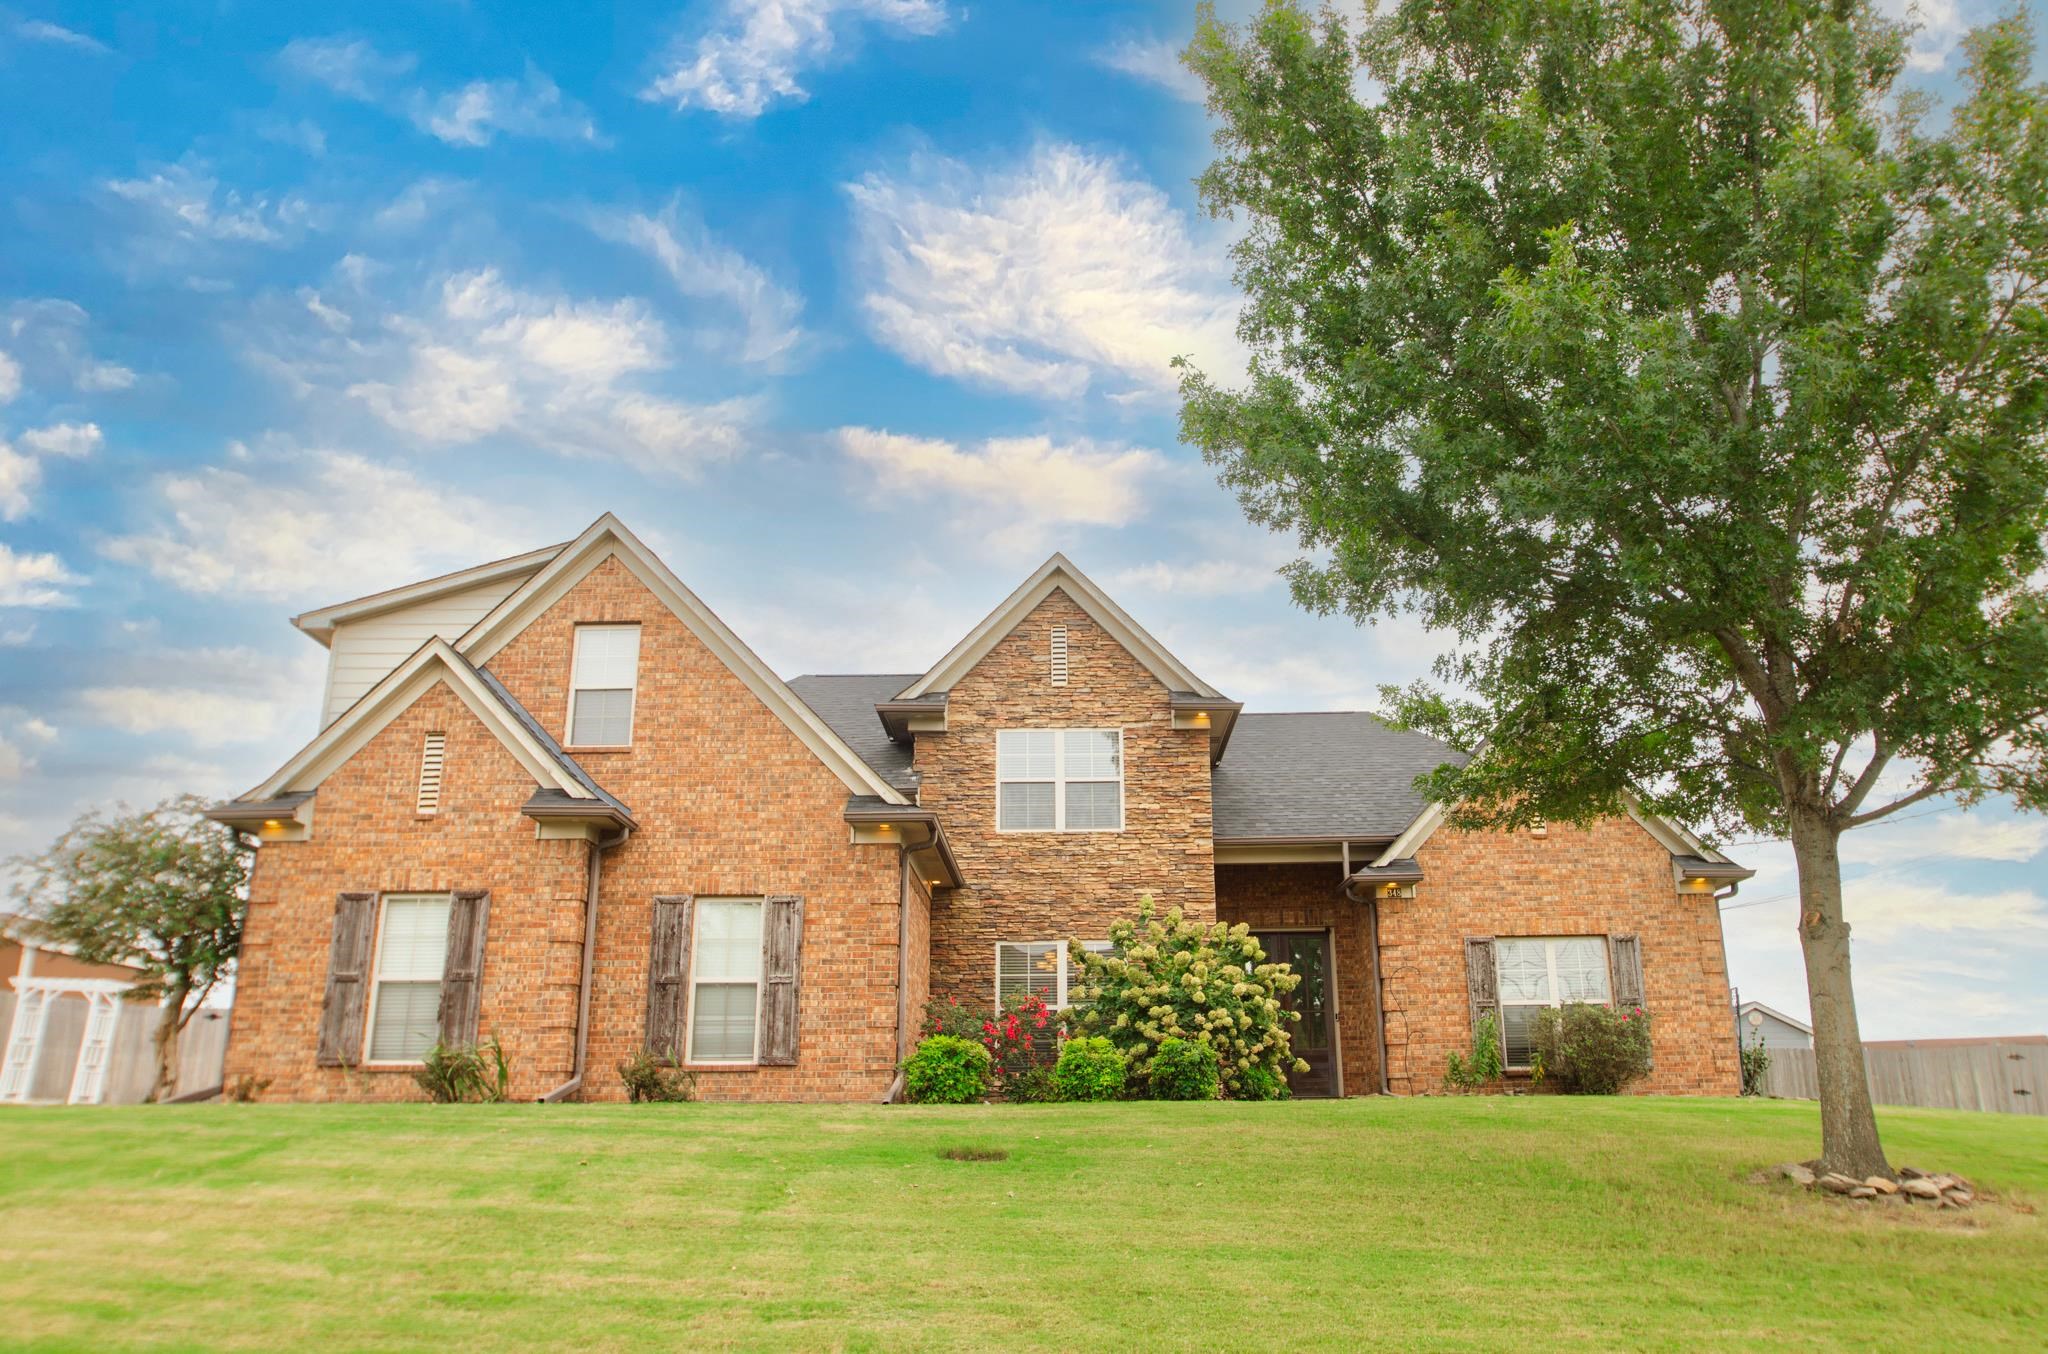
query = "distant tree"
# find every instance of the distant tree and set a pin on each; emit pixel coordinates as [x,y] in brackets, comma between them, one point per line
[1686,370]
[163,890]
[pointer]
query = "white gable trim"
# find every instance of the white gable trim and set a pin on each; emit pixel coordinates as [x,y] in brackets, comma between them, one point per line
[1669,835]
[1776,1015]
[608,538]
[320,623]
[1058,574]
[434,662]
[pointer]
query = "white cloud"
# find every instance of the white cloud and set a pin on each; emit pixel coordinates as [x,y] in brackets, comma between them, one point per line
[1043,277]
[1882,910]
[10,378]
[48,338]
[189,199]
[1959,836]
[34,580]
[752,55]
[1009,490]
[1156,62]
[705,269]
[349,66]
[252,711]
[39,729]
[312,526]
[39,30]
[471,115]
[19,476]
[71,440]
[419,201]
[13,764]
[1204,577]
[1941,25]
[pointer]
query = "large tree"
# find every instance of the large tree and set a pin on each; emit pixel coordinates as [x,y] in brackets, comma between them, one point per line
[1689,371]
[163,890]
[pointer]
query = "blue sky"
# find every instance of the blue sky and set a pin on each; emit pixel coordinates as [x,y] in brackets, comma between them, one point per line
[854,309]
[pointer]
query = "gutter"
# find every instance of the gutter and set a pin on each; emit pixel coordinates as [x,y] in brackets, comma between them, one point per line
[575,1081]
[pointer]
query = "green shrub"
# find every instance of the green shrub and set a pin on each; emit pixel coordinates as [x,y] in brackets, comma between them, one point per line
[1090,1068]
[1756,1061]
[1462,1074]
[1170,978]
[1182,1070]
[950,1017]
[455,1074]
[946,1070]
[651,1080]
[1593,1050]
[1032,1086]
[1260,1083]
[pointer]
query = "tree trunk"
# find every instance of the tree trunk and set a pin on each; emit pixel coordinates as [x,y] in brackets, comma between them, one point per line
[1848,1126]
[167,1027]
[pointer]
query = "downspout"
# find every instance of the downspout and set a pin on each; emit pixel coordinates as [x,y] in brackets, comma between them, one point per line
[597,849]
[895,1090]
[1379,990]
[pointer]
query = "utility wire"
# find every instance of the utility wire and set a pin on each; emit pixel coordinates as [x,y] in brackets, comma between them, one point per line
[1892,868]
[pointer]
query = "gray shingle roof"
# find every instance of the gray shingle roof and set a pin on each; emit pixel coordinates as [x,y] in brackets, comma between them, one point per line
[847,704]
[1341,774]
[547,740]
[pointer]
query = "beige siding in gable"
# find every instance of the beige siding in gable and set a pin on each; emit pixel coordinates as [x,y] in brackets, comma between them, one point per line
[364,651]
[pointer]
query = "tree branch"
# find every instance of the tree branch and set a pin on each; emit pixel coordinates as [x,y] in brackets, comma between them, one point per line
[1924,792]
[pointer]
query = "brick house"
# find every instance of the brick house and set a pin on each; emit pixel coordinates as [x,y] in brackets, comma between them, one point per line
[556,800]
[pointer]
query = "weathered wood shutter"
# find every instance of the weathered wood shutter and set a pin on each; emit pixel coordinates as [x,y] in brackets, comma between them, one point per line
[668,979]
[782,940]
[1625,966]
[1482,984]
[348,966]
[462,975]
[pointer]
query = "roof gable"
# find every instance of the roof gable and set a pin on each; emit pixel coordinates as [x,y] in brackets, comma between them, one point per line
[1058,574]
[321,622]
[608,538]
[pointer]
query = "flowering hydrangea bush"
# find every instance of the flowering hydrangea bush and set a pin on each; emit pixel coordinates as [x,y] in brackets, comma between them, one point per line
[1593,1050]
[1170,978]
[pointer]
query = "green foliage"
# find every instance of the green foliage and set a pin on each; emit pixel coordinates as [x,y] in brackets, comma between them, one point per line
[950,1017]
[651,1080]
[1170,978]
[946,1070]
[1032,1086]
[1466,1074]
[162,890]
[1592,1050]
[1090,1068]
[460,1074]
[1756,1061]
[1259,1082]
[1185,1070]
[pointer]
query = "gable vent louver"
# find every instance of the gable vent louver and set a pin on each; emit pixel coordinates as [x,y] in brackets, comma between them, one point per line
[1059,655]
[432,756]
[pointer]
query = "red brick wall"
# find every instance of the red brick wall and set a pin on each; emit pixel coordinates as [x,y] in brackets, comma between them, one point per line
[366,838]
[729,802]
[1301,897]
[1612,878]
[1053,886]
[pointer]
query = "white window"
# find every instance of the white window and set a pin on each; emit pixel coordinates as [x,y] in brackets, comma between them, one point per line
[1059,780]
[1537,973]
[1041,968]
[601,682]
[405,1002]
[725,980]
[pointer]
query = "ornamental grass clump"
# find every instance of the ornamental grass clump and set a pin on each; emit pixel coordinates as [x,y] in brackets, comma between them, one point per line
[946,1070]
[1090,1068]
[457,1074]
[1184,1070]
[1592,1050]
[1170,978]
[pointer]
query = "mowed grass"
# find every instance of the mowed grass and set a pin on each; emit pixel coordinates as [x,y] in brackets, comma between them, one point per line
[1439,1223]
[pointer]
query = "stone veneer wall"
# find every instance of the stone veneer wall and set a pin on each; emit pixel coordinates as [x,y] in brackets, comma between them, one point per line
[1610,879]
[1056,886]
[1305,897]
[367,838]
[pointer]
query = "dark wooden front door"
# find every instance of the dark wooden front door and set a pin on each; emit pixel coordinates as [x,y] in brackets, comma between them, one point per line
[1316,998]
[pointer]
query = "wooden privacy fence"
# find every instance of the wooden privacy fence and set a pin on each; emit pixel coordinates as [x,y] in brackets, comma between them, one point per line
[2011,1078]
[131,1060]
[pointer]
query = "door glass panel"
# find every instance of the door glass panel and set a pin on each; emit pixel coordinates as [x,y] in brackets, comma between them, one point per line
[1312,997]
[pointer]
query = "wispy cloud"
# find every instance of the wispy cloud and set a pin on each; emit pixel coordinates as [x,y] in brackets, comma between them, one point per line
[10,379]
[704,268]
[69,440]
[34,580]
[207,697]
[1940,26]
[188,200]
[754,51]
[348,66]
[472,114]
[1156,62]
[41,30]
[49,345]
[21,472]
[1046,277]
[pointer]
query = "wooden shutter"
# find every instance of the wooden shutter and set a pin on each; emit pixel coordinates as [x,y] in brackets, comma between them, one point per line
[668,981]
[462,974]
[1482,984]
[348,965]
[1625,966]
[782,940]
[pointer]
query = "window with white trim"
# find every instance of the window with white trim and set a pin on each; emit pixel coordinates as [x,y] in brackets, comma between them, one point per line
[602,675]
[1545,971]
[1041,968]
[725,980]
[405,996]
[1059,780]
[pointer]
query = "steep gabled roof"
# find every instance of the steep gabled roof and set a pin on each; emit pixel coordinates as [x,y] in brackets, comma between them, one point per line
[320,622]
[608,538]
[847,702]
[1058,574]
[1337,776]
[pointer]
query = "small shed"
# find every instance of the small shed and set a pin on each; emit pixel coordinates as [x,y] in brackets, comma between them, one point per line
[1761,1024]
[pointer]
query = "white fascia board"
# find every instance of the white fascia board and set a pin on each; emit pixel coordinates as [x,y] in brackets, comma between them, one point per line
[432,662]
[1413,836]
[1058,574]
[1669,835]
[320,623]
[607,538]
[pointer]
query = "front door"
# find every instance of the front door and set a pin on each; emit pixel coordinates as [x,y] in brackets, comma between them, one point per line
[1316,998]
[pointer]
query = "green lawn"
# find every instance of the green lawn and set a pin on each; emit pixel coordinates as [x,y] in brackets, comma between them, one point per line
[1444,1223]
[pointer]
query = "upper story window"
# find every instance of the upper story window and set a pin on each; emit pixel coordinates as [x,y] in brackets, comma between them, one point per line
[1535,973]
[601,681]
[1060,780]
